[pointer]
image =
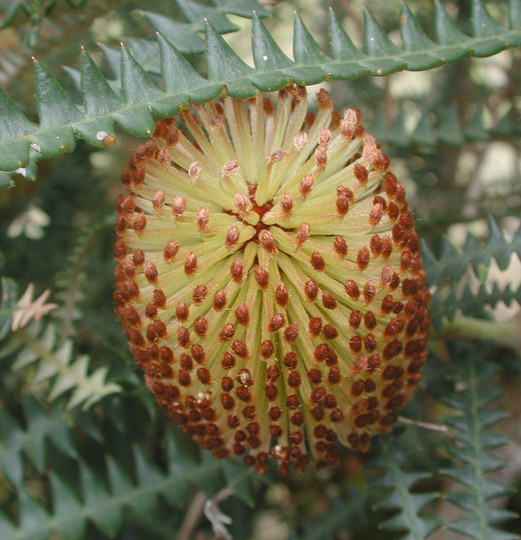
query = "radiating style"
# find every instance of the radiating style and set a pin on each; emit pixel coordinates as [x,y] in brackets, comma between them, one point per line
[269,279]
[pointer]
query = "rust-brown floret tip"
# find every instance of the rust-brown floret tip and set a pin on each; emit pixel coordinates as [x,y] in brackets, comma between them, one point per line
[277,306]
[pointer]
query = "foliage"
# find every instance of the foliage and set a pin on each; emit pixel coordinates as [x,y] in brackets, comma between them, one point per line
[84,453]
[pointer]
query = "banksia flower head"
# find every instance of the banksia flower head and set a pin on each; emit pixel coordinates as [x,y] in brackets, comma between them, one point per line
[269,279]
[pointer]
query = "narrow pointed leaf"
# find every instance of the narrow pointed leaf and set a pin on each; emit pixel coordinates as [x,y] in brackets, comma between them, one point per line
[306,51]
[34,518]
[449,130]
[99,99]
[59,131]
[448,34]
[197,13]
[101,510]
[514,11]
[12,127]
[415,39]
[67,510]
[136,84]
[378,44]
[181,34]
[424,133]
[55,107]
[224,65]
[55,110]
[349,62]
[484,26]
[267,56]
[179,75]
[475,129]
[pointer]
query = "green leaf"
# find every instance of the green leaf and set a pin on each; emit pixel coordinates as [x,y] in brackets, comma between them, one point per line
[472,458]
[61,121]
[394,488]
[447,32]
[182,34]
[349,62]
[39,343]
[240,479]
[415,39]
[12,128]
[179,77]
[195,12]
[484,26]
[449,130]
[7,305]
[475,129]
[66,508]
[377,44]
[224,65]
[514,10]
[267,56]
[98,96]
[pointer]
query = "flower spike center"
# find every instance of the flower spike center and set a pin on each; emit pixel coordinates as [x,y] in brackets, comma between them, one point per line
[269,279]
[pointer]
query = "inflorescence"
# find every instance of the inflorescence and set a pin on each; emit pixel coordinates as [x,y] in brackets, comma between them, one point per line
[269,278]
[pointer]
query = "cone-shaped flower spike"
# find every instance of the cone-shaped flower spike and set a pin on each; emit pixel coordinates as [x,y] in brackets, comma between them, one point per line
[269,279]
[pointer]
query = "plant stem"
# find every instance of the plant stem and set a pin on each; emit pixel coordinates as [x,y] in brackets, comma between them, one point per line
[506,333]
[192,516]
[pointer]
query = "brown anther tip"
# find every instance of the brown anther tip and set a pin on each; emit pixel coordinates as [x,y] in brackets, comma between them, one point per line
[202,219]
[303,233]
[286,203]
[281,295]
[276,322]
[324,137]
[195,170]
[240,202]
[268,242]
[277,156]
[317,261]
[300,140]
[232,236]
[158,200]
[229,168]
[306,185]
[190,266]
[324,99]
[321,157]
[179,206]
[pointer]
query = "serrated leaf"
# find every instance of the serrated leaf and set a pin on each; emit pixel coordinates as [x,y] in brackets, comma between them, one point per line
[99,506]
[98,96]
[196,12]
[180,76]
[415,39]
[240,479]
[267,56]
[424,133]
[349,62]
[181,34]
[135,82]
[378,44]
[66,510]
[223,64]
[64,122]
[446,31]
[8,302]
[484,26]
[472,457]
